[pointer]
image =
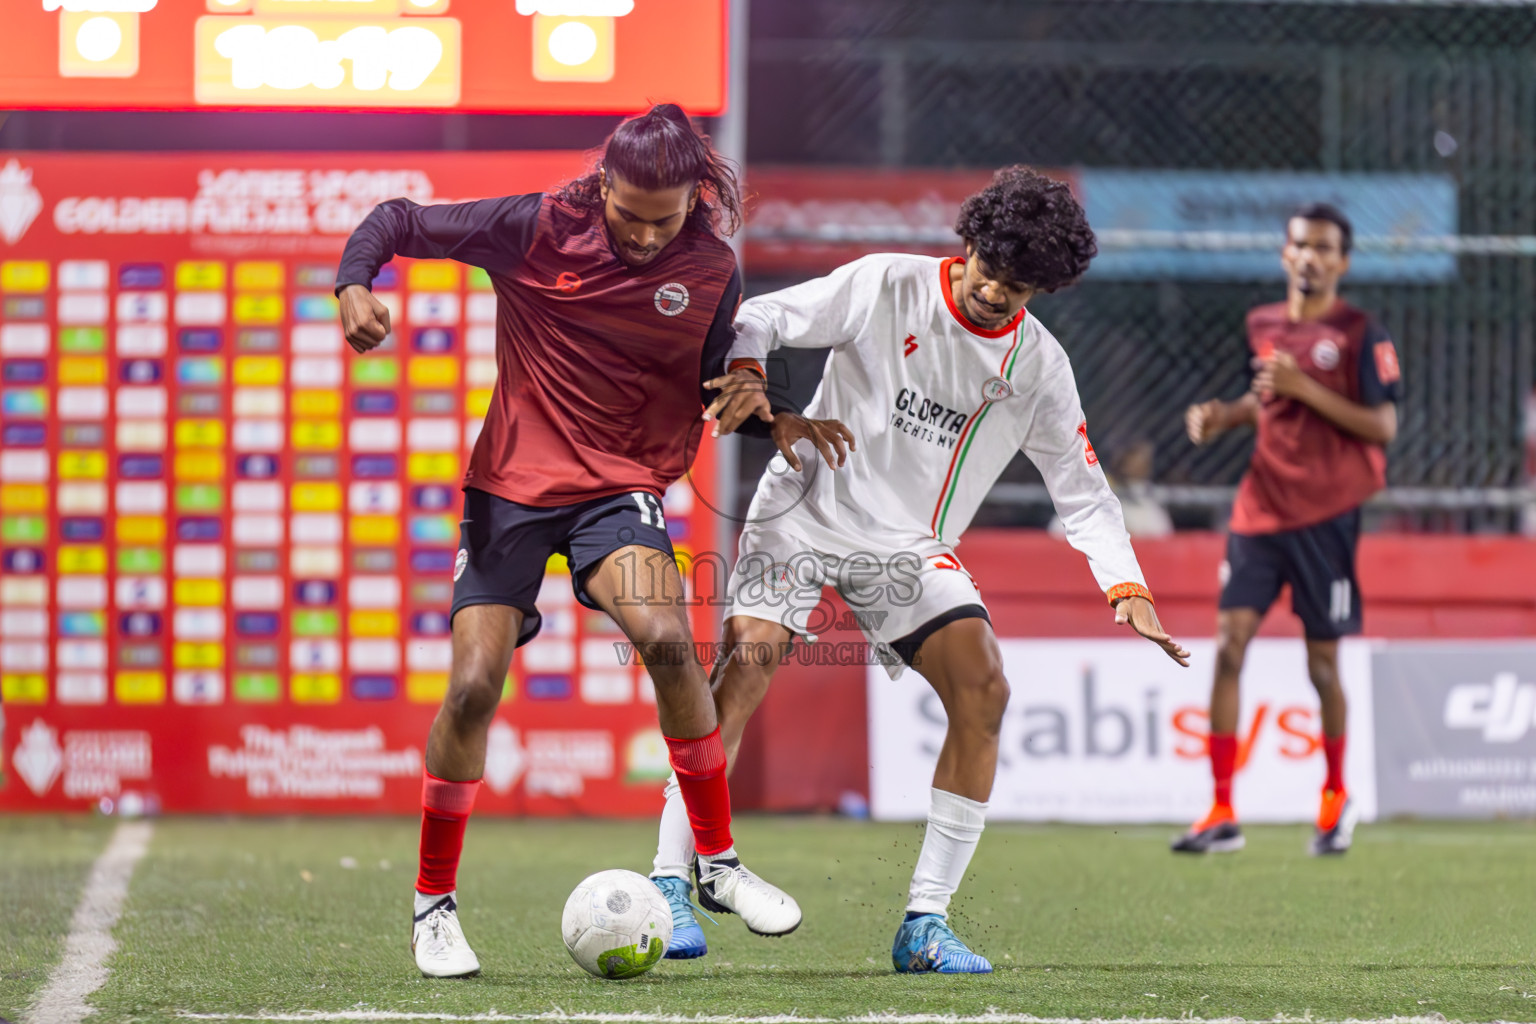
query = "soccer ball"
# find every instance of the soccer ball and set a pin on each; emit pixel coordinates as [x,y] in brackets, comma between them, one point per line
[617,924]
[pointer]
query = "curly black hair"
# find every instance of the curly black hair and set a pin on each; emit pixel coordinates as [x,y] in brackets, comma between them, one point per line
[1028,227]
[663,149]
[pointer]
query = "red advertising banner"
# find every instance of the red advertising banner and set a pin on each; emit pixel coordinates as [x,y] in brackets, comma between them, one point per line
[809,220]
[228,540]
[507,56]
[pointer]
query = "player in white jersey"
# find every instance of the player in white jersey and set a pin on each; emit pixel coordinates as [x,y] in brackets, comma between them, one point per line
[941,375]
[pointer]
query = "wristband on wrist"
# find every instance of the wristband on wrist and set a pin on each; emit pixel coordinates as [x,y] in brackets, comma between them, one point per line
[1121,591]
[746,364]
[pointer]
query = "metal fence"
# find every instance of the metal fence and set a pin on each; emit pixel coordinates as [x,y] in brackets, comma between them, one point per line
[1348,88]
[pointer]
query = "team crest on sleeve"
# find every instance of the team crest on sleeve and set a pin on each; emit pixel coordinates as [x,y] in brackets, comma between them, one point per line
[1089,454]
[995,389]
[1386,362]
[460,563]
[671,299]
[1325,354]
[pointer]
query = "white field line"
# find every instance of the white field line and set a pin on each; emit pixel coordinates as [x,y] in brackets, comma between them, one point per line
[870,1018]
[84,967]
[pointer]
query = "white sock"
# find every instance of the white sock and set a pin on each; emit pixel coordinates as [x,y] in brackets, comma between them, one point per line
[954,826]
[425,902]
[674,843]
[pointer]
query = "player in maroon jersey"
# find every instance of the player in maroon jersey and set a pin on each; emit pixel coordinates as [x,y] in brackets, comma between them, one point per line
[1324,400]
[614,302]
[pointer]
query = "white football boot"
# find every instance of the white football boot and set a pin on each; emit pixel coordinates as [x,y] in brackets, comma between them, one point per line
[726,887]
[438,941]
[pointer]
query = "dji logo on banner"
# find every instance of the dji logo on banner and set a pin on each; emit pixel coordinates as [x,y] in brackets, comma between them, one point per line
[1505,710]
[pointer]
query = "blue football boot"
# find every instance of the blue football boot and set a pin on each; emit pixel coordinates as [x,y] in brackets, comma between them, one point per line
[687,937]
[925,944]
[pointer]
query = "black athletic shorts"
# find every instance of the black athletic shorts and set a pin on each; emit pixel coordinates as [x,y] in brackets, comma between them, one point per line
[504,546]
[1318,562]
[907,647]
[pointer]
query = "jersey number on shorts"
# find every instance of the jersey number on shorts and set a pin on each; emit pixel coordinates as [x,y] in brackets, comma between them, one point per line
[650,510]
[1339,600]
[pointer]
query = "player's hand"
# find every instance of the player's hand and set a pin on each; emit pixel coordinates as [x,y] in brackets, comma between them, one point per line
[364,319]
[742,394]
[1278,376]
[833,440]
[1142,617]
[1202,422]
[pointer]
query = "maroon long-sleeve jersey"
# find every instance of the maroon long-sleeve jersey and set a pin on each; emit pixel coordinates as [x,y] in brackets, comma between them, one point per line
[599,364]
[1305,469]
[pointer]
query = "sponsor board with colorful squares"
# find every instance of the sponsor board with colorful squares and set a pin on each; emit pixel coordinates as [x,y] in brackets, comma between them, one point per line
[216,517]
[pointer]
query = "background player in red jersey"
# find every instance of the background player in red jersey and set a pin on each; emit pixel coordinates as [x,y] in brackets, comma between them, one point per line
[614,301]
[1324,400]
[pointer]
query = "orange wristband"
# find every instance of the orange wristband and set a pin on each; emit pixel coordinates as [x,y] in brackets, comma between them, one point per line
[746,364]
[1120,591]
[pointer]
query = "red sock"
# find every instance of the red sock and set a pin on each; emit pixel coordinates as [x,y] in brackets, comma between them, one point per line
[445,808]
[700,767]
[1333,750]
[1223,760]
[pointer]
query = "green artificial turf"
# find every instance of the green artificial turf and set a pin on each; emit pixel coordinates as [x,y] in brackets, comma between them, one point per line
[262,917]
[44,863]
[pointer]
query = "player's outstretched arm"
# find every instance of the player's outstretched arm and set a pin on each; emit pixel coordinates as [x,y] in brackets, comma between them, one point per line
[490,233]
[1088,508]
[735,388]
[364,319]
[743,395]
[1281,376]
[825,312]
[833,440]
[1206,420]
[1138,613]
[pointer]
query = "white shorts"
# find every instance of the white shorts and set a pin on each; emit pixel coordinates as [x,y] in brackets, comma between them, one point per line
[780,574]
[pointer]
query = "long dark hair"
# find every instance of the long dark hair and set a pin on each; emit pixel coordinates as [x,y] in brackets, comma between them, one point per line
[662,149]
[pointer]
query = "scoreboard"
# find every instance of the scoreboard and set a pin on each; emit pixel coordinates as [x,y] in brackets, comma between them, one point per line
[228,539]
[502,56]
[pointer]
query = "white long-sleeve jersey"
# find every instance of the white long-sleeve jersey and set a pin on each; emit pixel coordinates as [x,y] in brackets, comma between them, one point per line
[938,408]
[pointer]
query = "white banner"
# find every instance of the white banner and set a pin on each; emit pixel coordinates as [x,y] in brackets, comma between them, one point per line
[1113,731]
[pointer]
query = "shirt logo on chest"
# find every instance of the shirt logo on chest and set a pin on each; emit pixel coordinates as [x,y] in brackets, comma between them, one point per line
[780,577]
[567,283]
[927,420]
[671,299]
[995,389]
[1325,354]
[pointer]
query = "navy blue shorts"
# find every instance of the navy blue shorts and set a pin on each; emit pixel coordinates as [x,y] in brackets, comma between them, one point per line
[504,546]
[1318,562]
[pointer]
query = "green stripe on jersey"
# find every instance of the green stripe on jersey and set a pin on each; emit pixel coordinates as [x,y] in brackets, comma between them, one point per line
[954,480]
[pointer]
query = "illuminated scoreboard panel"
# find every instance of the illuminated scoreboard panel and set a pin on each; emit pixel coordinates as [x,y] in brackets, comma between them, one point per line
[216,517]
[530,56]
